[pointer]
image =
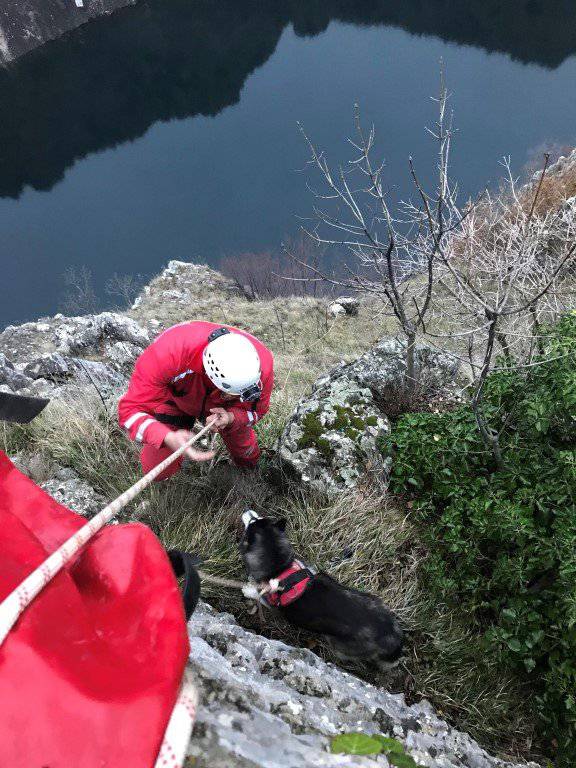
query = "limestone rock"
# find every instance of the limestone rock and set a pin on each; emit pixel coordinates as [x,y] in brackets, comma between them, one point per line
[565,164]
[344,305]
[10,377]
[336,310]
[264,704]
[179,290]
[122,355]
[383,367]
[109,338]
[68,489]
[90,374]
[335,436]
[53,367]
[332,440]
[54,375]
[89,333]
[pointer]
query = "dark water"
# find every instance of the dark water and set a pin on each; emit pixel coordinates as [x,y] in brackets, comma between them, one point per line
[169,130]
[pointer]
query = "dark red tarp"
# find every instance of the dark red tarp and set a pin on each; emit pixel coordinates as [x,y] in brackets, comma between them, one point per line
[91,671]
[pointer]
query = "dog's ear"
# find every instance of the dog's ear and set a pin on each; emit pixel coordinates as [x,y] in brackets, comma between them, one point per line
[282,523]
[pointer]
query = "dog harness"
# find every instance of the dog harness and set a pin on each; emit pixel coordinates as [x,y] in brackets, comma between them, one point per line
[289,585]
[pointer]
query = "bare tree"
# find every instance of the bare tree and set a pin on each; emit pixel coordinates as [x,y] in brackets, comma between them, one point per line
[80,296]
[353,213]
[506,272]
[268,275]
[125,287]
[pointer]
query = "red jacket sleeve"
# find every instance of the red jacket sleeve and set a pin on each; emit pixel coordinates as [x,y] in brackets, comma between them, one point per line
[147,390]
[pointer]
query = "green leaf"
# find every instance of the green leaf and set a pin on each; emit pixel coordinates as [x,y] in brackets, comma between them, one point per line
[402,761]
[355,744]
[390,745]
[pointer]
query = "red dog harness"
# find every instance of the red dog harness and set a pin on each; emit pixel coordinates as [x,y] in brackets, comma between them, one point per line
[289,585]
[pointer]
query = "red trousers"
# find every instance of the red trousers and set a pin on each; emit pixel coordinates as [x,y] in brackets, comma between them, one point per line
[242,444]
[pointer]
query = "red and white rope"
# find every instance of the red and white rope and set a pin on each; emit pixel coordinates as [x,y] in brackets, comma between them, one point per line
[182,719]
[175,745]
[13,606]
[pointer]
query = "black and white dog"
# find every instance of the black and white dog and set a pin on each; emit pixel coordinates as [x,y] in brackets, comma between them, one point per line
[357,626]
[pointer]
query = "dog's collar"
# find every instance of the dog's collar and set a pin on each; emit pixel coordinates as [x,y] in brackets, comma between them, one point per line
[289,585]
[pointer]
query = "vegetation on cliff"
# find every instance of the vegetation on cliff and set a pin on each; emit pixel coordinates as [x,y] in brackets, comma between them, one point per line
[502,542]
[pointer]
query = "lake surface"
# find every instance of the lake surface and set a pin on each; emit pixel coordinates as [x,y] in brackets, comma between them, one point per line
[169,131]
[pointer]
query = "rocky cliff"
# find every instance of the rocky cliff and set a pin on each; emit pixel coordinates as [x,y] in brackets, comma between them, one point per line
[267,705]
[264,704]
[26,24]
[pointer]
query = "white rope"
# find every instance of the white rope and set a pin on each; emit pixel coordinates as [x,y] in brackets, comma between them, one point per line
[17,601]
[179,729]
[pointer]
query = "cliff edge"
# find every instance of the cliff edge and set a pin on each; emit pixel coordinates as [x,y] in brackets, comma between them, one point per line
[26,24]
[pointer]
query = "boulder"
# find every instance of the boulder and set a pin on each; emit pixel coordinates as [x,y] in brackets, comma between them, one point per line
[344,305]
[336,310]
[96,333]
[56,375]
[109,337]
[335,438]
[54,367]
[11,378]
[265,704]
[382,368]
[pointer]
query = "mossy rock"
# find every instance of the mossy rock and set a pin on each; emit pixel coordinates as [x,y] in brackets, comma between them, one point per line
[333,438]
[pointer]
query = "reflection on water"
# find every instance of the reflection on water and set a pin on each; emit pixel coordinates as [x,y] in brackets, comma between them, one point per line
[109,81]
[223,181]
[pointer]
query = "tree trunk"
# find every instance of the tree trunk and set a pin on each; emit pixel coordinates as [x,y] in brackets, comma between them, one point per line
[411,362]
[490,438]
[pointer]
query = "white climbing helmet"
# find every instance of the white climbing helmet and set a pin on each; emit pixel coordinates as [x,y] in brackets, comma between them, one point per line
[232,364]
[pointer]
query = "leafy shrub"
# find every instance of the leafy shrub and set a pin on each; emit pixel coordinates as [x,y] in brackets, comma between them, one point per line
[503,543]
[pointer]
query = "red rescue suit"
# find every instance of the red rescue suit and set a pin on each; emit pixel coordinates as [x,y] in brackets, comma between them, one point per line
[169,385]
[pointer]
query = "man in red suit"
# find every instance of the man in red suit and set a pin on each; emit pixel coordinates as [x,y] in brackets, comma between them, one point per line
[198,371]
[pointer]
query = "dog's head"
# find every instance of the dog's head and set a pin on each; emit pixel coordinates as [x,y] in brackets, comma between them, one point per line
[265,546]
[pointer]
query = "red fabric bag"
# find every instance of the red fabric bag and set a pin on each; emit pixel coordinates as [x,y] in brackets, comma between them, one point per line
[91,671]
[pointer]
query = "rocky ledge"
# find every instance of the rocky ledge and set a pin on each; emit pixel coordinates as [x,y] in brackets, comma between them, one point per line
[267,705]
[55,356]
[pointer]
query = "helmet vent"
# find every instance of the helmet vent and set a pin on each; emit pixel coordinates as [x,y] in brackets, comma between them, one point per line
[231,362]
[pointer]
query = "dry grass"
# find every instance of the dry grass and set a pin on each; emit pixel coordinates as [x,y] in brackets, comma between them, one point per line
[555,190]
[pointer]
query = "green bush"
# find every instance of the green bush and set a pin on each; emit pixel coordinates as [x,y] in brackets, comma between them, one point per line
[503,543]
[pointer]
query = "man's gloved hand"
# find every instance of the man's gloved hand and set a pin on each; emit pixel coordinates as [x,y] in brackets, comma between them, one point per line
[175,440]
[220,419]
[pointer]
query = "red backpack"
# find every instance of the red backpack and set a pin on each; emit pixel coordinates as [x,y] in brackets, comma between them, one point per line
[91,672]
